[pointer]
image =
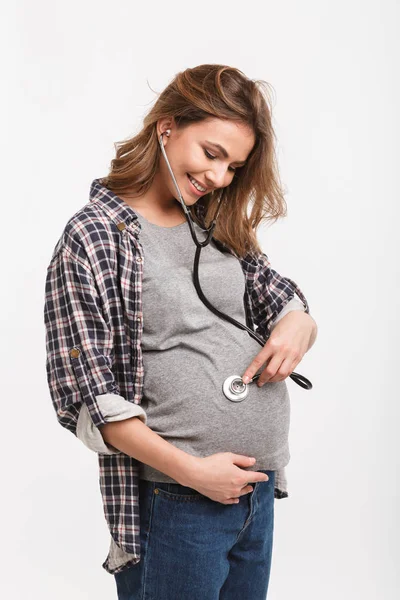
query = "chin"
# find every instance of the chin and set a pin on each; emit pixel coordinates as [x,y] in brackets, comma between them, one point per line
[188,201]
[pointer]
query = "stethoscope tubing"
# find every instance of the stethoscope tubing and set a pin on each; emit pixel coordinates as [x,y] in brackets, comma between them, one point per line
[297,378]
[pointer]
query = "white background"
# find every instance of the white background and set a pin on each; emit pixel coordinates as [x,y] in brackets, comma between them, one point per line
[77,77]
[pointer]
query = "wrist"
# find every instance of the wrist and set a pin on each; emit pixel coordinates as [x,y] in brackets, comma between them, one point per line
[189,470]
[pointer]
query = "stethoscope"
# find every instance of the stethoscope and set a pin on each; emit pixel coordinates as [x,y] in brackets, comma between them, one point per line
[233,387]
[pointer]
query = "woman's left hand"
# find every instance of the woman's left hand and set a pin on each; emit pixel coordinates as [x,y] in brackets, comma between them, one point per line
[284,349]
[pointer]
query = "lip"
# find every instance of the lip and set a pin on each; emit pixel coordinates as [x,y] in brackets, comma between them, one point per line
[195,190]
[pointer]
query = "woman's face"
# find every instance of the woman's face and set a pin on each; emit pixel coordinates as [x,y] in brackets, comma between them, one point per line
[193,152]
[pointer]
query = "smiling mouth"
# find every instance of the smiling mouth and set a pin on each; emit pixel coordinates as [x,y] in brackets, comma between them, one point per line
[196,184]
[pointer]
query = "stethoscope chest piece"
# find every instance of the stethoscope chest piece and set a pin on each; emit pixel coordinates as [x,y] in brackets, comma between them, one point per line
[234,388]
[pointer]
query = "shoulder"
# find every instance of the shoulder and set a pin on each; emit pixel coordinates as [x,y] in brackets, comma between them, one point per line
[90,225]
[88,235]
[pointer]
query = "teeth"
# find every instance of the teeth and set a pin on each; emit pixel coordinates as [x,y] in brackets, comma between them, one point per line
[197,185]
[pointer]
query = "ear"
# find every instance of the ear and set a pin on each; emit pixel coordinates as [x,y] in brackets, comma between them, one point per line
[165,123]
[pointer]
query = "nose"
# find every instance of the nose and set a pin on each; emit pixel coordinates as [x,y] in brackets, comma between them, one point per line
[217,177]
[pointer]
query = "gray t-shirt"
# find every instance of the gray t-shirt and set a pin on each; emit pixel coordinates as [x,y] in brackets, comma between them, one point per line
[188,352]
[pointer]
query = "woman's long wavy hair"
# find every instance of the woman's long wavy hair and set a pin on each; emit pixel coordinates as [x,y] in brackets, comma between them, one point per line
[193,95]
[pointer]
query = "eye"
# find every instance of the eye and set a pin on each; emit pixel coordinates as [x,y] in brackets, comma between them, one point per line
[209,155]
[212,157]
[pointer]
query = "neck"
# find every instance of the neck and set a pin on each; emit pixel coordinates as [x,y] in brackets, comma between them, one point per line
[158,199]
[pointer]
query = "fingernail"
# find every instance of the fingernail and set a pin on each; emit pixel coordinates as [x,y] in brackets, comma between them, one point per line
[245,379]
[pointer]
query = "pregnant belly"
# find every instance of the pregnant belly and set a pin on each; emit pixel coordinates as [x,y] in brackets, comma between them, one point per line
[258,426]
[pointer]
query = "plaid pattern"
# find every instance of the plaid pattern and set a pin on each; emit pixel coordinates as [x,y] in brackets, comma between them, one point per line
[93,323]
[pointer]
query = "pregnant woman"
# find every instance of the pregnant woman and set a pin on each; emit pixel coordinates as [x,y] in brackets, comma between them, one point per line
[136,361]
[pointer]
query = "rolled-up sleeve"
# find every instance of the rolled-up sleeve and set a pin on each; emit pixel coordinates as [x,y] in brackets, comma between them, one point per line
[114,408]
[294,304]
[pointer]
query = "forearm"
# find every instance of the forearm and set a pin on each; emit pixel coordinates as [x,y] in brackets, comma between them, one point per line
[137,440]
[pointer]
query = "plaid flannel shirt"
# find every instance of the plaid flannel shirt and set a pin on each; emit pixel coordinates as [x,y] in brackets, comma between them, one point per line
[93,325]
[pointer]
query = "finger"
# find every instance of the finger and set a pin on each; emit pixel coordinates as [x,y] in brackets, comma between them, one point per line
[244,490]
[286,368]
[271,370]
[257,363]
[254,476]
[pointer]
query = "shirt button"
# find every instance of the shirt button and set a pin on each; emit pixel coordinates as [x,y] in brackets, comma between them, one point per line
[139,259]
[121,226]
[75,352]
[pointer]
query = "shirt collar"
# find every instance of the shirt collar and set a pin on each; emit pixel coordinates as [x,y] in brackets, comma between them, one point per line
[116,209]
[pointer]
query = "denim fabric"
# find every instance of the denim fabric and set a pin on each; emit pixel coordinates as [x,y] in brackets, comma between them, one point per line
[194,547]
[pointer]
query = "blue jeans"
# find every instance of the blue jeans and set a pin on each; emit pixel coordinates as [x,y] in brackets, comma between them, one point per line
[194,547]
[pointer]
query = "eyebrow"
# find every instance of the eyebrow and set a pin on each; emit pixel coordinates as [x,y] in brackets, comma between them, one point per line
[224,152]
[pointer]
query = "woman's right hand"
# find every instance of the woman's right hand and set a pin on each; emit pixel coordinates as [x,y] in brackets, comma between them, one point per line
[220,477]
